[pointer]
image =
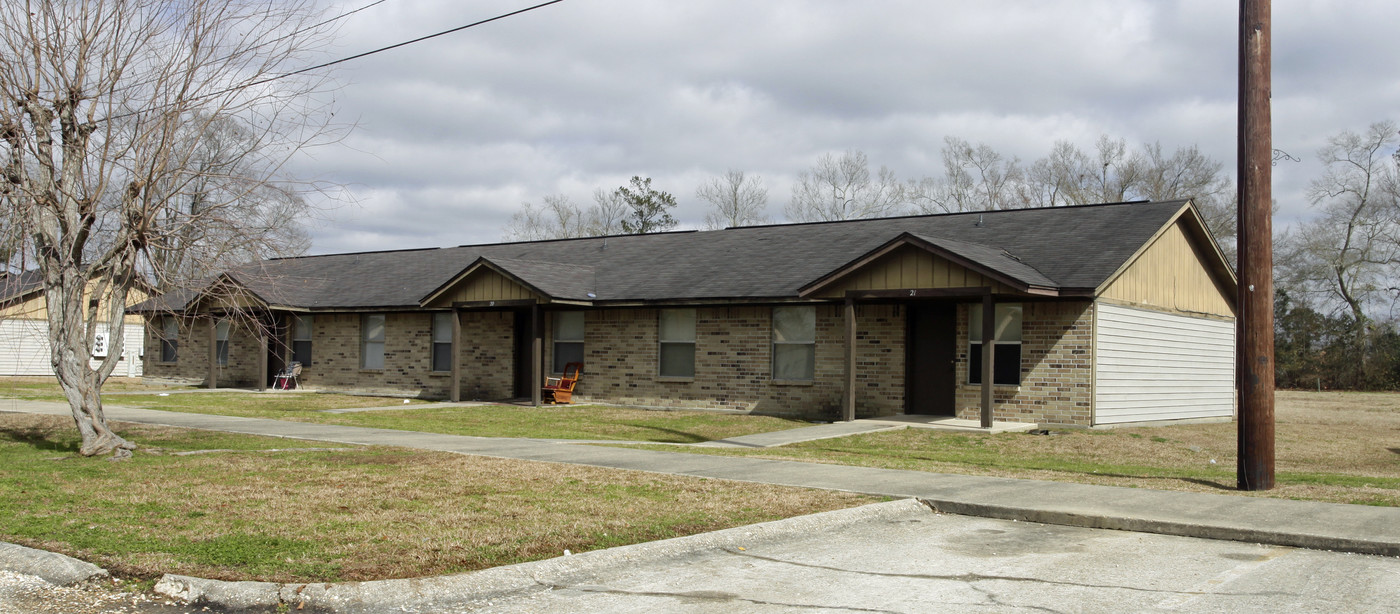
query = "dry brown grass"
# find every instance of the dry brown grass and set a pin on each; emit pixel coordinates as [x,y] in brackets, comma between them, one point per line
[352,514]
[1341,447]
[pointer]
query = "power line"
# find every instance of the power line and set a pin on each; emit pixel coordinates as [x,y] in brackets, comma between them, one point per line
[358,55]
[405,43]
[261,44]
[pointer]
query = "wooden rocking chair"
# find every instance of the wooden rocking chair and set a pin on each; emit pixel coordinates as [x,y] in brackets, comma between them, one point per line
[561,389]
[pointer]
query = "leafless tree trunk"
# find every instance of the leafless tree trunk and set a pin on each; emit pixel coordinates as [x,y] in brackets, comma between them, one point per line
[133,129]
[738,200]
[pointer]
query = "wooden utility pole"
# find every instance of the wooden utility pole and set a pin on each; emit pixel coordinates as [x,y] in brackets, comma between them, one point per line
[1255,322]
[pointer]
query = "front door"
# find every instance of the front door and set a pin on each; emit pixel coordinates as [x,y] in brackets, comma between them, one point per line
[523,340]
[931,382]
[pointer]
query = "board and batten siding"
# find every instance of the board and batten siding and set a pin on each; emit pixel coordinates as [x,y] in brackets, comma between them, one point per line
[907,268]
[1151,365]
[481,285]
[24,348]
[1171,275]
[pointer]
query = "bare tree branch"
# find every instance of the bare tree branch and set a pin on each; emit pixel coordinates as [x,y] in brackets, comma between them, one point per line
[144,145]
[737,200]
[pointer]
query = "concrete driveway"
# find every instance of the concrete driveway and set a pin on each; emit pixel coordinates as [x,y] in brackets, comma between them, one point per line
[921,562]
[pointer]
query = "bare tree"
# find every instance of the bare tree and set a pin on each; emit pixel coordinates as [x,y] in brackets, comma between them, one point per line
[557,218]
[126,128]
[978,178]
[1056,179]
[226,212]
[974,178]
[1348,254]
[843,189]
[605,217]
[738,200]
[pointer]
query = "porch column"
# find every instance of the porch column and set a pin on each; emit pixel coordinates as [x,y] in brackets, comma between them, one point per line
[456,355]
[989,331]
[848,409]
[213,353]
[536,355]
[289,333]
[262,333]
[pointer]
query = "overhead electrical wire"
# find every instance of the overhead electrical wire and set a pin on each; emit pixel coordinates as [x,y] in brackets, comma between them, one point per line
[339,17]
[405,43]
[358,55]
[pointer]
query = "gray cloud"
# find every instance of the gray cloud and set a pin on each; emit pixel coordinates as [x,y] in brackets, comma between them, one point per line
[454,133]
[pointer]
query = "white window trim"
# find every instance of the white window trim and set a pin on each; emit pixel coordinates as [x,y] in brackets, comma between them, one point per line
[170,335]
[310,332]
[365,341]
[434,343]
[221,344]
[556,341]
[773,332]
[662,342]
[973,330]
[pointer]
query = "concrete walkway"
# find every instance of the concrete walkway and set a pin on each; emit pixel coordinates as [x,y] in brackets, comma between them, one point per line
[1328,526]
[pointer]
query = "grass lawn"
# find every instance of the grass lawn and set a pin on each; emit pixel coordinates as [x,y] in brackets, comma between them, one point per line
[567,422]
[548,422]
[269,509]
[1341,447]
[46,388]
[273,405]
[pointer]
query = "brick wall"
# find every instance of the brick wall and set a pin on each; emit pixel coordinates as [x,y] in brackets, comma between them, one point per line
[486,356]
[1056,368]
[188,370]
[487,353]
[192,366]
[733,362]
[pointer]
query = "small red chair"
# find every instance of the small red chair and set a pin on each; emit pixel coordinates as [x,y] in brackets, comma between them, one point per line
[560,390]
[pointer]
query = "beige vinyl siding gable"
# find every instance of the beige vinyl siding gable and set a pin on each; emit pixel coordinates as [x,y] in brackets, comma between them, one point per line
[1171,275]
[484,285]
[34,307]
[909,267]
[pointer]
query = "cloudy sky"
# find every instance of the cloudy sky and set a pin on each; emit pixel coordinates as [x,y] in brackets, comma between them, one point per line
[451,135]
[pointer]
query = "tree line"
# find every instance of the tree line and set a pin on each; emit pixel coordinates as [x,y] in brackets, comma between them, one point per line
[1337,273]
[974,178]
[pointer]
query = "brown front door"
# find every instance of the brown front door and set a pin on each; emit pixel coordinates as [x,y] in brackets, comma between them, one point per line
[523,372]
[932,351]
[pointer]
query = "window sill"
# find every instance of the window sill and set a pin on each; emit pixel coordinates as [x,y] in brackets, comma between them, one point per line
[791,382]
[439,374]
[371,370]
[675,379]
[994,386]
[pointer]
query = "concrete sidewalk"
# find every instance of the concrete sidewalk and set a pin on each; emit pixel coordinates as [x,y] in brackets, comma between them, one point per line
[1327,526]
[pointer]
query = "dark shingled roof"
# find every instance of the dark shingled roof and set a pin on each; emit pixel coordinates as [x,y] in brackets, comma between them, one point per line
[1062,248]
[17,285]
